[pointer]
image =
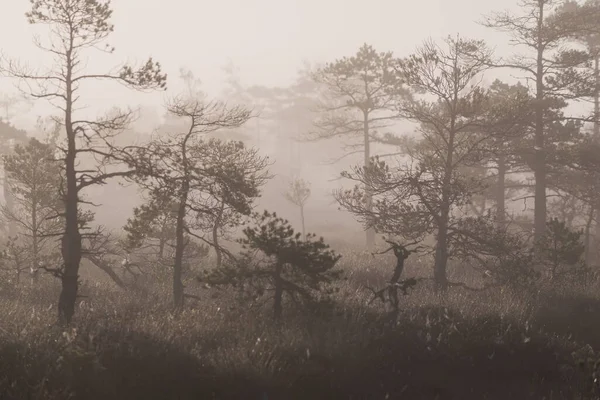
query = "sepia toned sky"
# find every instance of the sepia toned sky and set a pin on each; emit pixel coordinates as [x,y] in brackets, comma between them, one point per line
[267,40]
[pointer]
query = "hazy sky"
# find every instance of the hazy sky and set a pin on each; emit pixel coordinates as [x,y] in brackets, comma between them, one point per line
[267,40]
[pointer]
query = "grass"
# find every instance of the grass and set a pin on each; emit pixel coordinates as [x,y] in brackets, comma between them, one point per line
[128,345]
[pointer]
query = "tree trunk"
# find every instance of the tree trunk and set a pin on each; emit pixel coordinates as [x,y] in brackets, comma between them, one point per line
[278,296]
[8,199]
[441,249]
[441,255]
[215,234]
[178,297]
[367,144]
[597,95]
[501,193]
[71,240]
[539,169]
[218,253]
[588,250]
[393,290]
[178,294]
[597,135]
[594,208]
[302,218]
[35,240]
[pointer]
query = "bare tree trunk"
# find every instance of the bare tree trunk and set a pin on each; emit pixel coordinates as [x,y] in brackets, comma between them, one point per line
[178,297]
[441,250]
[597,135]
[441,255]
[218,253]
[215,234]
[501,192]
[588,250]
[71,240]
[162,241]
[597,94]
[9,200]
[367,144]
[393,290]
[302,218]
[539,150]
[34,239]
[594,207]
[278,296]
[178,294]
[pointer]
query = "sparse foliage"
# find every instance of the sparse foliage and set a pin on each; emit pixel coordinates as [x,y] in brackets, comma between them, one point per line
[298,193]
[562,249]
[401,252]
[363,90]
[278,259]
[75,27]
[35,179]
[151,229]
[558,72]
[199,176]
[425,194]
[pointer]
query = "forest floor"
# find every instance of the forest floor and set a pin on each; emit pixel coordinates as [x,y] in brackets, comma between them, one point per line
[470,345]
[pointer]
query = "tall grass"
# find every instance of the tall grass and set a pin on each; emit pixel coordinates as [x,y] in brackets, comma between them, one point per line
[128,345]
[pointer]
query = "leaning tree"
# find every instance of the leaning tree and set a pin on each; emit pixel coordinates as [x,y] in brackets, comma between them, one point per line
[198,175]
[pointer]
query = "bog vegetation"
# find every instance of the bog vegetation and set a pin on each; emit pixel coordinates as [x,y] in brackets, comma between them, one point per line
[203,295]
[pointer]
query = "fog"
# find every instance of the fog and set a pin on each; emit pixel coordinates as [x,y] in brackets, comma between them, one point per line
[299,199]
[266,43]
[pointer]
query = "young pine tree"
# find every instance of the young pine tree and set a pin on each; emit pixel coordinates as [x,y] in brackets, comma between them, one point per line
[300,269]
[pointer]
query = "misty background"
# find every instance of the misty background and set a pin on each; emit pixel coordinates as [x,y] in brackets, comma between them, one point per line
[256,45]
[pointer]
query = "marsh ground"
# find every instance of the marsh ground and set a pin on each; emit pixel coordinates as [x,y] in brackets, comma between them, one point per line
[497,344]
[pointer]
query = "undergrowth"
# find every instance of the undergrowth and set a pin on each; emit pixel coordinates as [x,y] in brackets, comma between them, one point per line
[498,344]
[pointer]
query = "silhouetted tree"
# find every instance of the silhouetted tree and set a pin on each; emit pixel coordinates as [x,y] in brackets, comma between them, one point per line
[362,90]
[35,181]
[401,252]
[198,175]
[298,193]
[76,27]
[561,248]
[425,194]
[292,266]
[577,185]
[222,215]
[506,146]
[151,229]
[590,38]
[15,259]
[501,254]
[103,250]
[9,137]
[557,72]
